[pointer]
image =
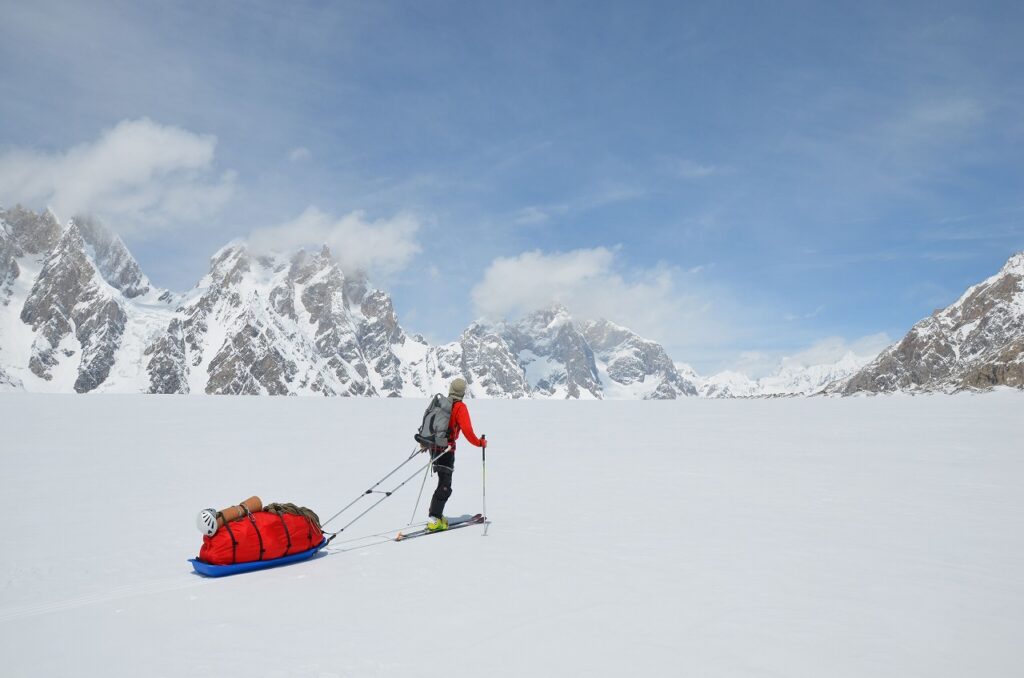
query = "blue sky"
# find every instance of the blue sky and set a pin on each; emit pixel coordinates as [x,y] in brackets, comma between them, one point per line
[740,181]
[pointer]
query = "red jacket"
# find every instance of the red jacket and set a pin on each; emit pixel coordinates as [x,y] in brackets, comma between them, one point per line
[460,423]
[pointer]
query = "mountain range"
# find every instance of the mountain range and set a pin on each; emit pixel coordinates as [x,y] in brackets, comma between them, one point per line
[77,314]
[789,379]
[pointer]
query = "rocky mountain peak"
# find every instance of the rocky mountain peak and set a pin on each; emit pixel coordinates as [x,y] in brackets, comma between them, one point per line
[977,342]
[230,262]
[1014,265]
[729,384]
[632,366]
[71,309]
[113,260]
[555,355]
[32,233]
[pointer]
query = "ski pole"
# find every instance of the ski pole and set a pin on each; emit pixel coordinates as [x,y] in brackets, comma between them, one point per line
[423,484]
[483,466]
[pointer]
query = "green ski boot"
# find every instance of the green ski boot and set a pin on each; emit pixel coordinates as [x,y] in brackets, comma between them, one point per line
[437,524]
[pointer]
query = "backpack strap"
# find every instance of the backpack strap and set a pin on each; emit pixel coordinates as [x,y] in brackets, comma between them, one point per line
[287,534]
[256,527]
[451,429]
[234,542]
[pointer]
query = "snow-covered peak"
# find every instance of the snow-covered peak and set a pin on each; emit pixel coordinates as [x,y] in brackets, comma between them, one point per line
[1014,265]
[113,260]
[792,377]
[77,316]
[548,320]
[631,366]
[562,357]
[228,265]
[975,343]
[729,384]
[555,355]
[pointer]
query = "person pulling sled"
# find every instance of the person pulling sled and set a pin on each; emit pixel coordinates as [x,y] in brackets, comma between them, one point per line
[444,420]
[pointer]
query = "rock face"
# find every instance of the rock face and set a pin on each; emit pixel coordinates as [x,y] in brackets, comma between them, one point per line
[112,259]
[976,343]
[558,361]
[67,296]
[32,233]
[279,325]
[25,239]
[548,354]
[9,255]
[72,312]
[632,366]
[484,359]
[23,234]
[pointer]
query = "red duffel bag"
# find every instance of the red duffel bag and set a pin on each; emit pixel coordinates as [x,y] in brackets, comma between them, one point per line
[260,536]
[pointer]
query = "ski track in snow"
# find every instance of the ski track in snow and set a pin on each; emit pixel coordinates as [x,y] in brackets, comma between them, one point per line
[855,537]
[16,612]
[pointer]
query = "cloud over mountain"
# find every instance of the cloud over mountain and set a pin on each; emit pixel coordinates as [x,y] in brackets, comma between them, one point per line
[661,302]
[138,174]
[381,247]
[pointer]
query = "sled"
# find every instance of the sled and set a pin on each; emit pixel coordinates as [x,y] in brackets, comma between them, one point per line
[208,570]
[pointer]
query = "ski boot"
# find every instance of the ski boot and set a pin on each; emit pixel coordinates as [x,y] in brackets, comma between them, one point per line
[437,524]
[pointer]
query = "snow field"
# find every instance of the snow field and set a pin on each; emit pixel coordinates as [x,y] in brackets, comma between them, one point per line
[791,537]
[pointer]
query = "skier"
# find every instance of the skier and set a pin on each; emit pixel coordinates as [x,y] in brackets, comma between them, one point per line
[444,465]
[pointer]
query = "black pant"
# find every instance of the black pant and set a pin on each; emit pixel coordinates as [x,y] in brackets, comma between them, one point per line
[444,466]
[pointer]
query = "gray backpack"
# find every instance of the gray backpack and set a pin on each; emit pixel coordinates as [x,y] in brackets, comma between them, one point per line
[434,430]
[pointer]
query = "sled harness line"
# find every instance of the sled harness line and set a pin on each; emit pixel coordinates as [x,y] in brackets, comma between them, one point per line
[373,490]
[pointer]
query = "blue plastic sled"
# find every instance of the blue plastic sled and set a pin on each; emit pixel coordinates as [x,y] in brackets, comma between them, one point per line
[209,570]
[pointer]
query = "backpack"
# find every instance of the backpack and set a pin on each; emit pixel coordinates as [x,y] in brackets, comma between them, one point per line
[434,430]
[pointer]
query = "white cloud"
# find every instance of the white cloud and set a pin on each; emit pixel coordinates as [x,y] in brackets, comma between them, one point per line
[138,175]
[688,169]
[608,195]
[528,216]
[831,349]
[756,364]
[592,284]
[790,317]
[381,248]
[300,154]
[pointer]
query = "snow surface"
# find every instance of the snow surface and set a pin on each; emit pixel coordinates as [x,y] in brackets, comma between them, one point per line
[793,537]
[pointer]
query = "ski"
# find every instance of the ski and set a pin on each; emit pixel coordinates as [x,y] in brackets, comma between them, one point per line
[453,524]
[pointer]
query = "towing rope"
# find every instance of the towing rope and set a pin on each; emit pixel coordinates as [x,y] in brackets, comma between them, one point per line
[373,490]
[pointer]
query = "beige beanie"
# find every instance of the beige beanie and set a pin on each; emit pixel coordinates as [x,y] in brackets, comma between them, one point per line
[458,389]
